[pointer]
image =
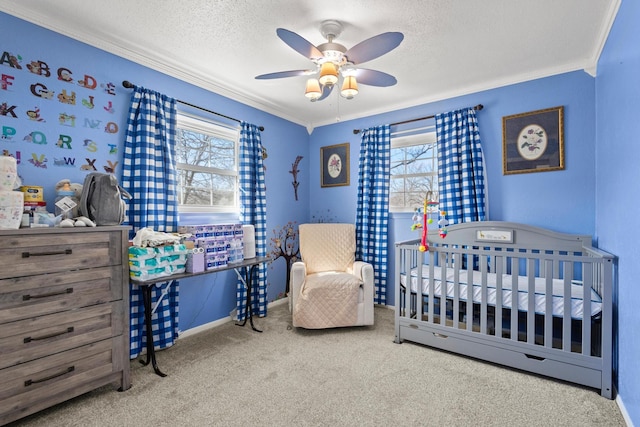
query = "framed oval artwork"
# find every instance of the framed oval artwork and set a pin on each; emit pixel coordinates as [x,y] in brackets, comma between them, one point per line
[533,142]
[334,165]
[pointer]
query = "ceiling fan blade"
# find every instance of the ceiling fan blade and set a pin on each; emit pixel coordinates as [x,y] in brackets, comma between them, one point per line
[282,74]
[374,78]
[299,44]
[374,47]
[326,91]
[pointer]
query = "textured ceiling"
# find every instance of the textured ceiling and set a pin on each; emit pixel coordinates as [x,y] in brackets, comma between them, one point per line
[450,47]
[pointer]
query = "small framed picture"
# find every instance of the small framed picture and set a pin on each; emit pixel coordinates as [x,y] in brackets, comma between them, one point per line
[334,165]
[533,142]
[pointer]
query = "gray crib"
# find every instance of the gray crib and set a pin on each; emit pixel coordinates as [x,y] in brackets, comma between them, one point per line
[512,294]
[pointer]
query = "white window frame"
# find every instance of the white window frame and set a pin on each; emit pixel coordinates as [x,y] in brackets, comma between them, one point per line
[415,137]
[209,127]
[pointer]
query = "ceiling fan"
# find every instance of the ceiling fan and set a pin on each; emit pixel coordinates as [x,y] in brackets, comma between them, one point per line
[332,60]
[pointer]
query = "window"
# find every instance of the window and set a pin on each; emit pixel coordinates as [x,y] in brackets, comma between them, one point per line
[414,170]
[207,165]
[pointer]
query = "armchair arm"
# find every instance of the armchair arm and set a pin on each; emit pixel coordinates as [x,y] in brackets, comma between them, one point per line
[298,274]
[364,271]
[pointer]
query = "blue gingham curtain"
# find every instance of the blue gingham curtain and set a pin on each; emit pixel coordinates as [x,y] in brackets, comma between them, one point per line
[461,181]
[149,175]
[372,215]
[253,211]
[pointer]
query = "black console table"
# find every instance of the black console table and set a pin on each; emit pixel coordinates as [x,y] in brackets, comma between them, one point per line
[244,269]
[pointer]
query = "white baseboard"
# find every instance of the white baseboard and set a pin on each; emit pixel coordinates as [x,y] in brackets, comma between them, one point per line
[226,319]
[623,411]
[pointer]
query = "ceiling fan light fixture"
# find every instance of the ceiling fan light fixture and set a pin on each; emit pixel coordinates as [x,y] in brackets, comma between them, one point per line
[349,87]
[337,65]
[312,90]
[328,74]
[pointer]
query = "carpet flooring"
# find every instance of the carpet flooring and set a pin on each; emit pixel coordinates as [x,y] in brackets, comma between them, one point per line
[232,376]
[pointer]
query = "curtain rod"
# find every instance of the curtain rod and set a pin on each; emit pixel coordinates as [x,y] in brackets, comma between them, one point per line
[477,108]
[130,85]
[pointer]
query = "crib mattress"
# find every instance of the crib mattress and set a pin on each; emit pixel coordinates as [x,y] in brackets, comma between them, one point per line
[577,302]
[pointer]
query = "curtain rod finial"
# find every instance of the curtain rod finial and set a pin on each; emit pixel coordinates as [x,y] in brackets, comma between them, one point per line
[127,84]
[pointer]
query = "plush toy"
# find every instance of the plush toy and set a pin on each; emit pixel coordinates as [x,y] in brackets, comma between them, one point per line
[442,224]
[416,220]
[66,187]
[77,189]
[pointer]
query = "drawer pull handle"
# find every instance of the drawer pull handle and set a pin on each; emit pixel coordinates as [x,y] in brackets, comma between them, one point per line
[50,294]
[65,252]
[27,383]
[44,337]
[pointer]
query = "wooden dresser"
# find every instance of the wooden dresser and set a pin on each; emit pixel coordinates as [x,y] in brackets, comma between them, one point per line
[64,315]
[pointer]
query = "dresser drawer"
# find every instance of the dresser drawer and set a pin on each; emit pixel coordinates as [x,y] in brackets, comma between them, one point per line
[64,315]
[30,339]
[31,296]
[48,253]
[28,384]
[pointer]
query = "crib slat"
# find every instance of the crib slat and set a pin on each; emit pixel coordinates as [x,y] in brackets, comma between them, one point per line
[483,294]
[531,305]
[443,262]
[456,291]
[498,315]
[443,289]
[548,300]
[587,281]
[469,299]
[431,291]
[408,255]
[514,298]
[566,316]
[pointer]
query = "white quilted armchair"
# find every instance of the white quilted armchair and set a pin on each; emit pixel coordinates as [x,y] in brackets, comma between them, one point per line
[328,288]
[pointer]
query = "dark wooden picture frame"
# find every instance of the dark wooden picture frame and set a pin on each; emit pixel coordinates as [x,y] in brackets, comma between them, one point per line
[533,142]
[334,165]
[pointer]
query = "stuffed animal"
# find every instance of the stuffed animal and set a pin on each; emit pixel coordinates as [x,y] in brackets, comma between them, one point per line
[65,185]
[442,224]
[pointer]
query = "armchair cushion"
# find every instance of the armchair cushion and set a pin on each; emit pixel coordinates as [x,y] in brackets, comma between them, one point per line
[328,298]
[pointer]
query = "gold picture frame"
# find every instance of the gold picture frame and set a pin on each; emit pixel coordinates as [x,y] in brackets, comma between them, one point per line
[533,141]
[334,165]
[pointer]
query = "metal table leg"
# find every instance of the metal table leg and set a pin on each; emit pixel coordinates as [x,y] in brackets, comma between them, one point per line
[151,352]
[249,281]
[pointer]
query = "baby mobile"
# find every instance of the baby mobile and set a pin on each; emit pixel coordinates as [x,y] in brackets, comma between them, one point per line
[429,207]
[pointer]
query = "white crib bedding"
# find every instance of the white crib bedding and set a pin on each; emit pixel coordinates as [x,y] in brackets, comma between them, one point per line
[523,294]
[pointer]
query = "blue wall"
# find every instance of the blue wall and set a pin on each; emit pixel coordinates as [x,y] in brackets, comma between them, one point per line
[200,303]
[618,187]
[534,198]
